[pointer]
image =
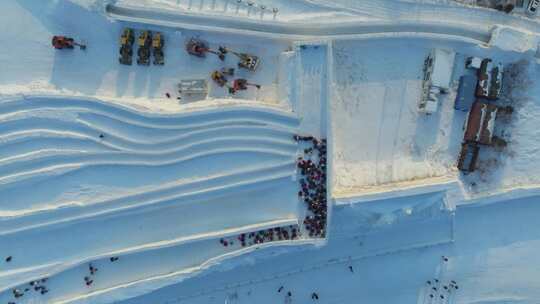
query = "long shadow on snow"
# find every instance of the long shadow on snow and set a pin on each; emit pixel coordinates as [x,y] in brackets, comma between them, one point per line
[76,70]
[479,228]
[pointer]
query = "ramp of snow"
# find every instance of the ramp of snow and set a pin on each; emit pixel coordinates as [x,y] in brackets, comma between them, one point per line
[107,180]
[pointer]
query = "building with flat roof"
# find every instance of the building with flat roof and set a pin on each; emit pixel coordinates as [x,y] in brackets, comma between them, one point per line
[438,68]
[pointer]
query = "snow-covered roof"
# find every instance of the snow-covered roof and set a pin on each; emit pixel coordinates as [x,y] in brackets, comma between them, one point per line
[480,123]
[443,65]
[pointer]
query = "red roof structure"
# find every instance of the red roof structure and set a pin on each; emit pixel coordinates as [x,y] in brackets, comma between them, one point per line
[480,123]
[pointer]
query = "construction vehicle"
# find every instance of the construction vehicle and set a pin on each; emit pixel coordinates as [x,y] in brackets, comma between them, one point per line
[157,48]
[144,42]
[532,7]
[126,46]
[218,78]
[247,61]
[241,84]
[227,71]
[63,42]
[199,48]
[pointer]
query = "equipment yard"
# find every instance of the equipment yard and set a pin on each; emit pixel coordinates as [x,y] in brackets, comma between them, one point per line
[269,151]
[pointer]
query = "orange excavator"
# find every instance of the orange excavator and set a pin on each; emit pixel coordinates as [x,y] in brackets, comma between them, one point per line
[63,42]
[199,48]
[219,78]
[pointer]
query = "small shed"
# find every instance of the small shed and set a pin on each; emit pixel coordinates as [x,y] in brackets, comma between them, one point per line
[465,94]
[438,68]
[480,123]
[442,68]
[468,157]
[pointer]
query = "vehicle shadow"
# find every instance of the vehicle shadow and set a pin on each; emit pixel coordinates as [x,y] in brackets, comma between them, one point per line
[76,70]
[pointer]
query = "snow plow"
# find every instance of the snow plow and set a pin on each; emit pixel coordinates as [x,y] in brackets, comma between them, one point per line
[126,46]
[199,48]
[63,42]
[157,48]
[143,53]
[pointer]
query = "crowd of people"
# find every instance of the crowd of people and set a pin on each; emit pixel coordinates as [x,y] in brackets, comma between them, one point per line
[290,232]
[434,286]
[40,286]
[312,171]
[37,286]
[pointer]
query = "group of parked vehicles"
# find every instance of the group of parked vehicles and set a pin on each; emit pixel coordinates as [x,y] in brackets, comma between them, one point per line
[151,44]
[148,44]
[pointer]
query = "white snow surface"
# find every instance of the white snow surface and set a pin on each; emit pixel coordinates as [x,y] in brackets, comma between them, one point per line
[96,72]
[491,263]
[259,10]
[380,138]
[96,162]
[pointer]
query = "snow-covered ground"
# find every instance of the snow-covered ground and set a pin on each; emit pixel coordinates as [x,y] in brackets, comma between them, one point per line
[96,72]
[107,180]
[379,135]
[257,10]
[490,262]
[96,162]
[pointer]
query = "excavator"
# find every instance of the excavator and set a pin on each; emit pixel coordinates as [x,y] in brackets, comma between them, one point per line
[63,42]
[144,41]
[219,78]
[199,48]
[126,46]
[247,61]
[157,48]
[241,84]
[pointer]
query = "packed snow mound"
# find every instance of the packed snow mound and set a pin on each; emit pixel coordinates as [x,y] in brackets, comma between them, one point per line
[513,40]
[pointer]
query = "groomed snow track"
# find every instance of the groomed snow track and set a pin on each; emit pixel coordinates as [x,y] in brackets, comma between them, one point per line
[292,30]
[88,180]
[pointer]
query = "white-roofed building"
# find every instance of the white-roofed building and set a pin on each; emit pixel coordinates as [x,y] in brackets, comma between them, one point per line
[438,68]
